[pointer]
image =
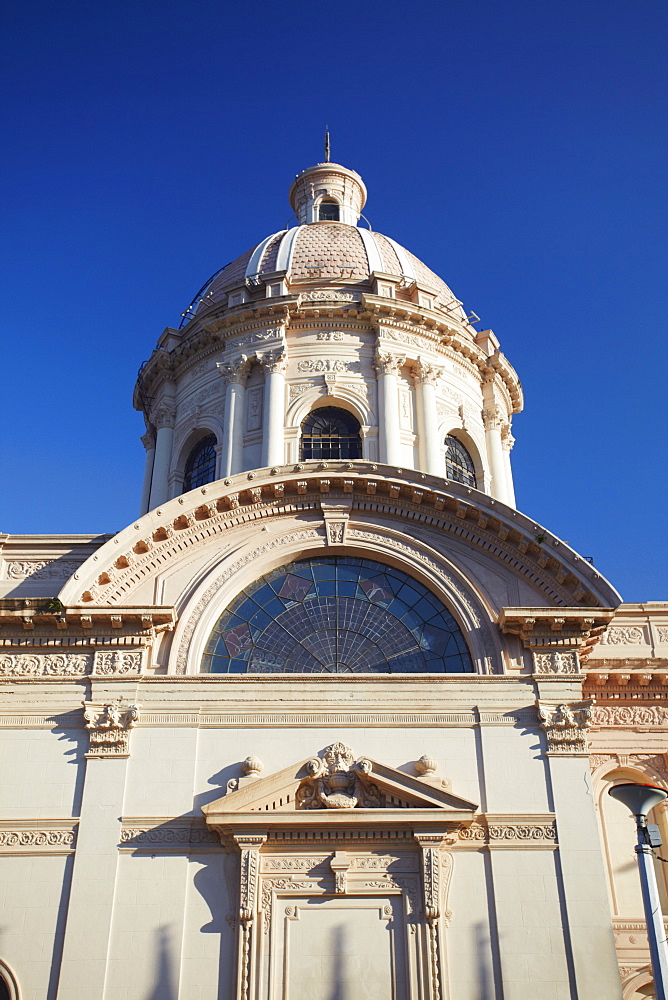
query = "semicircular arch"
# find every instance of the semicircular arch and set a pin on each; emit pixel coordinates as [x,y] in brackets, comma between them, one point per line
[9,980]
[219,584]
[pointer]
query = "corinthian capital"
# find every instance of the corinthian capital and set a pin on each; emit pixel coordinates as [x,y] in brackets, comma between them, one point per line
[148,440]
[273,361]
[234,371]
[493,418]
[423,372]
[388,364]
[164,416]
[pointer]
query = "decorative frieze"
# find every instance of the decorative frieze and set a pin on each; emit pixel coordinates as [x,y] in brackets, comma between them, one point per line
[41,569]
[625,636]
[21,837]
[566,727]
[33,665]
[560,662]
[109,728]
[166,836]
[643,716]
[117,663]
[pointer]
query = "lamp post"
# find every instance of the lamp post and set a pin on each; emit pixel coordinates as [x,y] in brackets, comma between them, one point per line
[640,799]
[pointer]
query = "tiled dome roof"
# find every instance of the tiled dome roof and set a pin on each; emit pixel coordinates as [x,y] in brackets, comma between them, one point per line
[323,250]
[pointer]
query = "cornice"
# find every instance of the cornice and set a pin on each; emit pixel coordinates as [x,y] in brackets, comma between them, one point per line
[476,519]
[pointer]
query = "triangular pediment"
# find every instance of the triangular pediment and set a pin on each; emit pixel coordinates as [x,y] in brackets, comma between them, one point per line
[315,786]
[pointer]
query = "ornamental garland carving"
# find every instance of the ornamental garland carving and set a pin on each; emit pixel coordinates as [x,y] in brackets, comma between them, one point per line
[42,569]
[496,833]
[109,728]
[566,727]
[165,836]
[49,665]
[320,366]
[616,636]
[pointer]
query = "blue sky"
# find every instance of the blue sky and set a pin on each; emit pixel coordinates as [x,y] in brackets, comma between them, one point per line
[519,149]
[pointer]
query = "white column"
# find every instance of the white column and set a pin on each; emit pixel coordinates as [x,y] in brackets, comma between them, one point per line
[387,366]
[493,420]
[148,440]
[164,420]
[273,427]
[235,376]
[507,440]
[425,377]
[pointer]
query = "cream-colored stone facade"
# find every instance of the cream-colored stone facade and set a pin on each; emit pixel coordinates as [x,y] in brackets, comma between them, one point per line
[350,832]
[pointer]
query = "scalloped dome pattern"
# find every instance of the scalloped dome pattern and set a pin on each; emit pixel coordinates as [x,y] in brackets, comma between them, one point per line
[324,250]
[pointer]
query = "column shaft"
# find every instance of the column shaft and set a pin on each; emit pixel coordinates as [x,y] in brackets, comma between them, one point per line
[161,466]
[387,366]
[492,419]
[429,445]
[273,427]
[149,444]
[233,436]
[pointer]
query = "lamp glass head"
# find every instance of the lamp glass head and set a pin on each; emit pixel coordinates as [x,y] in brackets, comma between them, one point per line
[638,798]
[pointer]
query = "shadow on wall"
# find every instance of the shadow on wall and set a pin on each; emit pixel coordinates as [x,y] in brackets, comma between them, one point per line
[486,989]
[164,986]
[338,964]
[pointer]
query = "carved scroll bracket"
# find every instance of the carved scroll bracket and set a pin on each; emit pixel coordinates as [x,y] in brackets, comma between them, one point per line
[566,727]
[340,864]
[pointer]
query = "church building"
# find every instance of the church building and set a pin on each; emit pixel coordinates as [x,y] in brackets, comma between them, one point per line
[332,719]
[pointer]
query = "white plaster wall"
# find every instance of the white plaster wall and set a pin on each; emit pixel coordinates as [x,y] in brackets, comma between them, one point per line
[161,772]
[469,938]
[33,900]
[207,964]
[41,772]
[147,928]
[514,770]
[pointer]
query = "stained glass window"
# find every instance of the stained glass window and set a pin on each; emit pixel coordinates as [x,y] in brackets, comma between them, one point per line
[336,615]
[201,465]
[331,433]
[458,463]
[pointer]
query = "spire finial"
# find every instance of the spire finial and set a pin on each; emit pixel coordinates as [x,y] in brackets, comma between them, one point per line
[327,149]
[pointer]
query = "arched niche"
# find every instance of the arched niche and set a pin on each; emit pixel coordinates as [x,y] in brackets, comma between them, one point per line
[9,987]
[221,582]
[618,834]
[342,398]
[638,985]
[185,446]
[455,429]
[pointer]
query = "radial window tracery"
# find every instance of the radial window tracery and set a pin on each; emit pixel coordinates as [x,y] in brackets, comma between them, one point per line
[336,615]
[330,432]
[201,465]
[458,463]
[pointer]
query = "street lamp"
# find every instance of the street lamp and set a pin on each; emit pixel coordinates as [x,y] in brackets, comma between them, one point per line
[640,799]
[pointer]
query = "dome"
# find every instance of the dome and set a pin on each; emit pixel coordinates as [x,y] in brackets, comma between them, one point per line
[320,250]
[333,248]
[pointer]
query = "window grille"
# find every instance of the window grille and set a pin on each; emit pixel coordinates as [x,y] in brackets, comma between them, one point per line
[458,463]
[201,464]
[331,433]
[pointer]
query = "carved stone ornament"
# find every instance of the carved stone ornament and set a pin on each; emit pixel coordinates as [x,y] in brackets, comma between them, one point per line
[109,728]
[336,782]
[50,665]
[566,727]
[561,662]
[235,371]
[273,362]
[117,663]
[388,364]
[41,569]
[422,371]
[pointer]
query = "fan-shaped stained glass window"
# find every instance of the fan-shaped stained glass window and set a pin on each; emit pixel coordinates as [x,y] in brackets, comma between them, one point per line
[336,615]
[201,465]
[331,433]
[458,463]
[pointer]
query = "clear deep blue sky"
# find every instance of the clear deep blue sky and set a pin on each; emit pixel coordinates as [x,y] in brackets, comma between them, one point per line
[519,149]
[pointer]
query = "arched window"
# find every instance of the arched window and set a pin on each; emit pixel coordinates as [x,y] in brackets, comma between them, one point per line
[331,433]
[201,464]
[458,463]
[336,615]
[328,211]
[9,988]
